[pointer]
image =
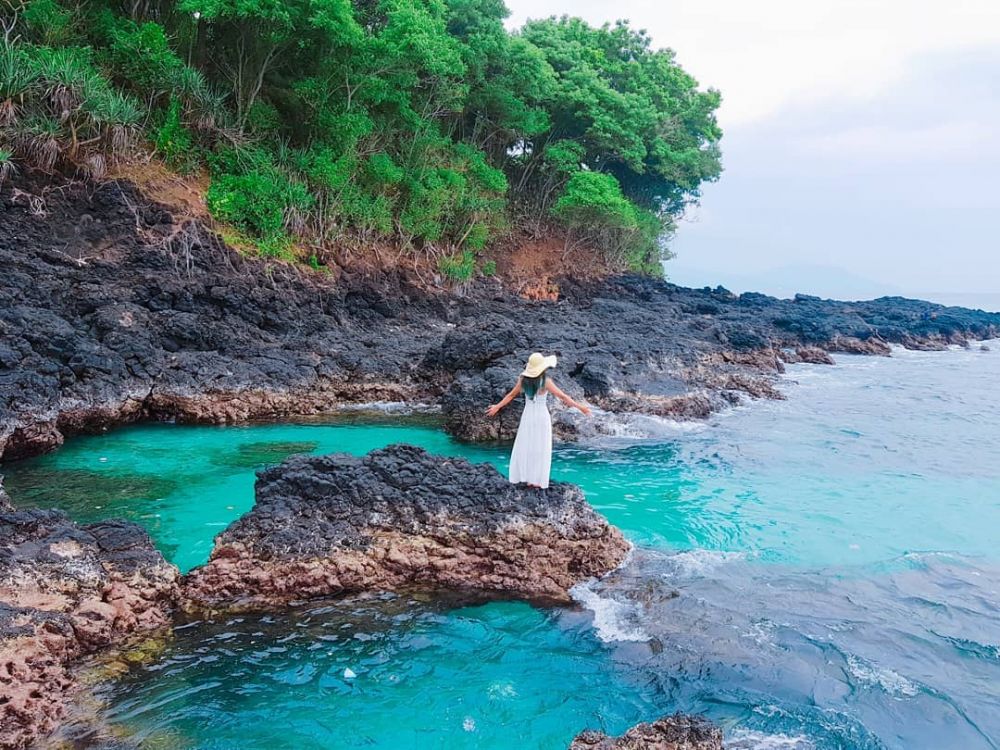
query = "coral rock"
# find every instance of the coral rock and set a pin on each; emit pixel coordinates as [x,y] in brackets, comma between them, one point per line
[677,732]
[65,591]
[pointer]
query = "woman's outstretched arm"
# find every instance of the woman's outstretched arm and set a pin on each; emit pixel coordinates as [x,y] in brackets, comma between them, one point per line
[495,408]
[557,392]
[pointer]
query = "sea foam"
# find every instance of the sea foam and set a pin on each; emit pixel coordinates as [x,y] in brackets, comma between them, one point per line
[748,739]
[613,620]
[698,562]
[633,426]
[871,674]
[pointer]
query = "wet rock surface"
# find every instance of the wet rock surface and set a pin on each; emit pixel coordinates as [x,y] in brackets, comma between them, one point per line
[398,519]
[677,732]
[112,310]
[66,591]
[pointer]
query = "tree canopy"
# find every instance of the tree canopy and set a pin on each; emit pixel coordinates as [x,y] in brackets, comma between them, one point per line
[425,123]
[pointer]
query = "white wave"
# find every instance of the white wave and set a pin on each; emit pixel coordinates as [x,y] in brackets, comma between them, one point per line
[748,739]
[900,351]
[696,562]
[606,424]
[760,632]
[921,556]
[391,407]
[872,674]
[613,620]
[501,691]
[804,372]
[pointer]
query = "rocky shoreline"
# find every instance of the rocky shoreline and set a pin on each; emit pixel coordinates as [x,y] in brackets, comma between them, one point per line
[677,732]
[112,311]
[398,519]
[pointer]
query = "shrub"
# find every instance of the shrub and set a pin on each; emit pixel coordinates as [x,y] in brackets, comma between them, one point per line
[383,171]
[141,55]
[262,118]
[644,247]
[594,200]
[477,236]
[460,267]
[173,140]
[48,22]
[248,202]
[242,160]
[261,204]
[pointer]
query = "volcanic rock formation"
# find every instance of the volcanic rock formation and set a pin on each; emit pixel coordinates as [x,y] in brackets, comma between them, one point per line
[112,311]
[65,591]
[400,518]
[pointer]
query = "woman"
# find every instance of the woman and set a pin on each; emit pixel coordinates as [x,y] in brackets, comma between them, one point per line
[531,458]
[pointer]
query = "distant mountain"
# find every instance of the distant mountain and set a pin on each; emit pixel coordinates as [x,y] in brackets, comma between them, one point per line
[823,281]
[988,301]
[786,281]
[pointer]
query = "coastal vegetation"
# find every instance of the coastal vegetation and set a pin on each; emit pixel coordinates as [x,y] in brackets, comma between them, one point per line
[422,125]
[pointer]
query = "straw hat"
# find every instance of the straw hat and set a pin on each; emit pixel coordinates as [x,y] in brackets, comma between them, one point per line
[537,364]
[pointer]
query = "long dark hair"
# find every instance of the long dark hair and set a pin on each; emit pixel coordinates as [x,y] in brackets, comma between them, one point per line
[531,386]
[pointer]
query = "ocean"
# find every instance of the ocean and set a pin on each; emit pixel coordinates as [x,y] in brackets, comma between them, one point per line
[821,572]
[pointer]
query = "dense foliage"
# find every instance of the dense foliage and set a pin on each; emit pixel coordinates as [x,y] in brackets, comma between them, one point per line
[423,123]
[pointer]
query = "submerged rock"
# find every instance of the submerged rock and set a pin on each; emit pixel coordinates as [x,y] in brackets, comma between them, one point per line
[812,355]
[852,345]
[677,732]
[66,591]
[400,518]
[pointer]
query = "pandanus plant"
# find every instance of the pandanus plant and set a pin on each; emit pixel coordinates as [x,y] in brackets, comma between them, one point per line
[7,167]
[37,142]
[57,105]
[16,82]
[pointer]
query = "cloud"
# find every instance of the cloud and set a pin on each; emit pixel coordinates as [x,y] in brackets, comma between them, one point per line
[886,143]
[900,189]
[859,135]
[767,54]
[940,111]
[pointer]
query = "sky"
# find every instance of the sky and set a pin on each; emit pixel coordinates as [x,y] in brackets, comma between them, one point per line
[861,142]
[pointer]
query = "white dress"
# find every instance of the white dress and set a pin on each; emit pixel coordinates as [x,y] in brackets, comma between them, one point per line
[531,458]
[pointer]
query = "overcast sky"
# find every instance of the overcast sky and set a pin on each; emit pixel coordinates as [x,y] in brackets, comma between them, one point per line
[861,147]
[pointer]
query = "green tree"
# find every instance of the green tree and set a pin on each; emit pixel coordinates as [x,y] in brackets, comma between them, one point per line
[423,123]
[629,111]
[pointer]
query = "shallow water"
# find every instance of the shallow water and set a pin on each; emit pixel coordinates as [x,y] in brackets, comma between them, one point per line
[822,572]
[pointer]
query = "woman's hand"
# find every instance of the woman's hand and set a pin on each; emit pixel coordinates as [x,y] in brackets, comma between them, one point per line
[493,410]
[572,404]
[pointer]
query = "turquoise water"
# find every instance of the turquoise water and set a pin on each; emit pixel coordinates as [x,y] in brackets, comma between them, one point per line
[186,484]
[502,675]
[830,569]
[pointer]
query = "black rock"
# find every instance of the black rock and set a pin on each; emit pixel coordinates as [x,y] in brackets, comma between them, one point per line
[118,323]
